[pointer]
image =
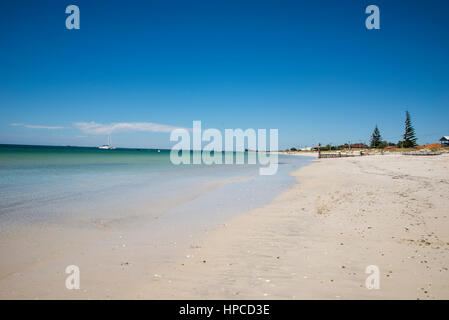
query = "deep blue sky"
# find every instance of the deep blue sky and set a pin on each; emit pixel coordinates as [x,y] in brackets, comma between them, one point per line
[309,68]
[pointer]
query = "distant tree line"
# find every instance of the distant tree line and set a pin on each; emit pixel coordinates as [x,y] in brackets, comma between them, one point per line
[376,141]
[409,140]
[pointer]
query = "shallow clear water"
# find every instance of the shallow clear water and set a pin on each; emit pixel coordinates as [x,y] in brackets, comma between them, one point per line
[71,184]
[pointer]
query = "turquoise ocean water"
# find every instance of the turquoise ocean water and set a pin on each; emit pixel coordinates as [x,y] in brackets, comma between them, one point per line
[42,185]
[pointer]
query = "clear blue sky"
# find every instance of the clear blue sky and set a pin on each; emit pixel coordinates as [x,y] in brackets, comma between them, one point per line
[309,68]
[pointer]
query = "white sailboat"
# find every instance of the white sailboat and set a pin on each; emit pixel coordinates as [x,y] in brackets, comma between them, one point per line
[107,146]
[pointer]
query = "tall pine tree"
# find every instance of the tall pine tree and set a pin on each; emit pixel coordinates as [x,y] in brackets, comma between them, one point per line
[376,138]
[409,134]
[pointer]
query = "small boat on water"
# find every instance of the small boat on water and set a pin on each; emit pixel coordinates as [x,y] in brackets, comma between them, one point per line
[107,146]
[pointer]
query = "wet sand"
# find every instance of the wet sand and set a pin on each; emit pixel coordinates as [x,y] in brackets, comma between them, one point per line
[119,251]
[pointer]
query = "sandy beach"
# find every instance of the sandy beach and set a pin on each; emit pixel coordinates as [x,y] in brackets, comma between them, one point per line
[315,240]
[119,223]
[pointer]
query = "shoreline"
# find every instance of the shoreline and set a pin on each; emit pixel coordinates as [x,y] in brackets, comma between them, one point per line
[117,251]
[312,241]
[315,240]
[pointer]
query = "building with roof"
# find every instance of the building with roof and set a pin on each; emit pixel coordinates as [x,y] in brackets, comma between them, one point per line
[358,146]
[445,141]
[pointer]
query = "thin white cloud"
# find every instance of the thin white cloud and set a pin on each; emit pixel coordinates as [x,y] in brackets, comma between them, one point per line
[34,126]
[99,128]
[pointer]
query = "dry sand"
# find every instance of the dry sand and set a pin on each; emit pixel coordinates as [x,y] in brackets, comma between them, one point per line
[315,240]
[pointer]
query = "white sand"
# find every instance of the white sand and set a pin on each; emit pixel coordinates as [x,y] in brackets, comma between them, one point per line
[315,240]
